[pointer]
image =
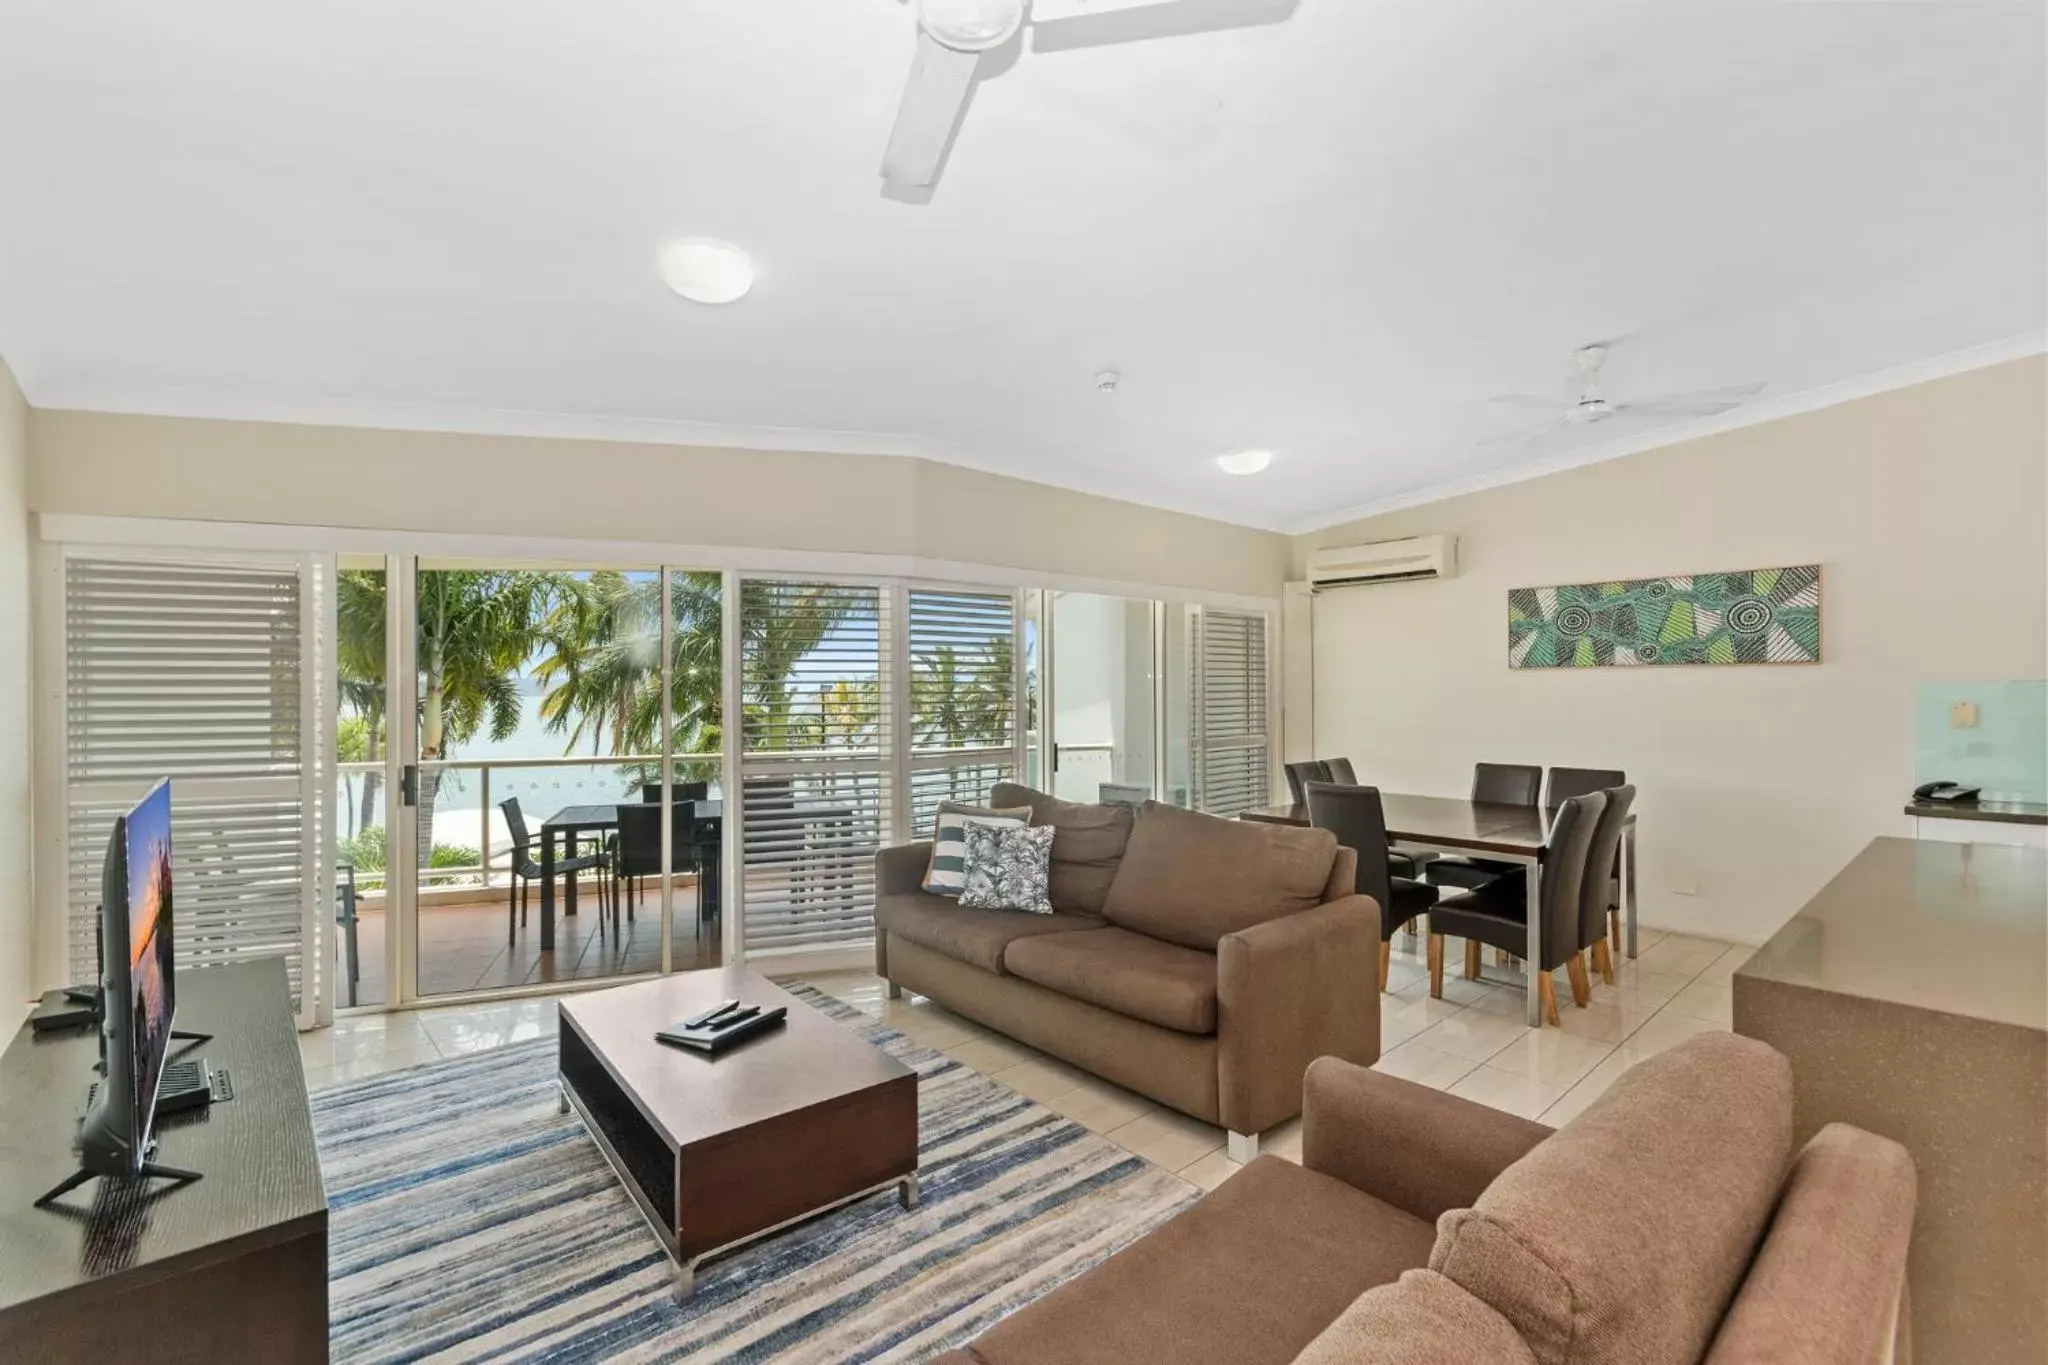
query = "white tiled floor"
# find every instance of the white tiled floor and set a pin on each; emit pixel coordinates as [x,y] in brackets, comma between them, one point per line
[1472,1043]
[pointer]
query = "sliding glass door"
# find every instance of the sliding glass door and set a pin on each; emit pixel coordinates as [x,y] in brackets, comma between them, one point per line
[1104,709]
[1157,700]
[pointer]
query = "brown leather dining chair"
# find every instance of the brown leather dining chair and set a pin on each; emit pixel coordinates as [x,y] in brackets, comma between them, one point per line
[1599,913]
[1566,783]
[1569,782]
[1497,914]
[1494,784]
[1356,816]
[1310,770]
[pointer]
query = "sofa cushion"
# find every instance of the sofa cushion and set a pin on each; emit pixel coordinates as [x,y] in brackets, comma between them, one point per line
[1086,849]
[1623,1236]
[976,937]
[1248,1276]
[1420,1319]
[1161,983]
[1826,1287]
[1006,869]
[1191,878]
[947,871]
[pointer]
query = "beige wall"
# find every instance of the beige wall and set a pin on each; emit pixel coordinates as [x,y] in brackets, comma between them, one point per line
[197,469]
[16,906]
[1928,507]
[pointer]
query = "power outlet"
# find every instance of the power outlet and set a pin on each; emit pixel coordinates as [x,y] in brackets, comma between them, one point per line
[1686,889]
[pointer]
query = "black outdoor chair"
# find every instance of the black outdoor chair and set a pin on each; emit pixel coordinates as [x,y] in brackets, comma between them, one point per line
[637,852]
[345,918]
[685,791]
[526,869]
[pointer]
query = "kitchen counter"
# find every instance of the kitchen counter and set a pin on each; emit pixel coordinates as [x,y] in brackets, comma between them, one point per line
[1998,812]
[1911,996]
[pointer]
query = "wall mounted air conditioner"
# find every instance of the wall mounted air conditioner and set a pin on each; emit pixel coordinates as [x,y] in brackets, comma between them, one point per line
[1386,561]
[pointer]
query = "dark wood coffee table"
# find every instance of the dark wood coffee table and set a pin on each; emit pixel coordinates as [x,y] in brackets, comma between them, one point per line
[718,1151]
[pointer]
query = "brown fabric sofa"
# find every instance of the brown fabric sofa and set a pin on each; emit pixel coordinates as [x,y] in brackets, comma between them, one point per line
[1202,962]
[1664,1226]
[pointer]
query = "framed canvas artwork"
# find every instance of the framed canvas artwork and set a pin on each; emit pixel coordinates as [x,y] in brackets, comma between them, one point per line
[1750,616]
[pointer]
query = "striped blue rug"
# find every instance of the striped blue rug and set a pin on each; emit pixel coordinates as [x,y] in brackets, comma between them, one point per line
[470,1221]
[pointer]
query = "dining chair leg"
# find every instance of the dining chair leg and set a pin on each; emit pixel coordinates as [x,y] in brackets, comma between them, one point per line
[1546,991]
[1472,963]
[1582,986]
[1436,964]
[1502,957]
[1603,961]
[1614,927]
[1386,962]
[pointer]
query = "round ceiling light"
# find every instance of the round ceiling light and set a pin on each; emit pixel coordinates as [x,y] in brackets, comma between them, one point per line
[705,270]
[1244,461]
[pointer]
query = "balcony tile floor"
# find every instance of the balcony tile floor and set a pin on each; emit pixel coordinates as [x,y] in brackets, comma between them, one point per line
[1474,1045]
[464,946]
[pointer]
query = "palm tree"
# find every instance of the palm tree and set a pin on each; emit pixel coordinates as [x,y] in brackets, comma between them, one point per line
[961,702]
[359,661]
[600,653]
[477,628]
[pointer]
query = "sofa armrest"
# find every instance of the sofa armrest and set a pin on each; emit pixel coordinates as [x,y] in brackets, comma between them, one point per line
[1287,992]
[1418,1149]
[898,870]
[902,868]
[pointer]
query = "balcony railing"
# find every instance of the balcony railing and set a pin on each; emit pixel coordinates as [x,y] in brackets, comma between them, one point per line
[466,817]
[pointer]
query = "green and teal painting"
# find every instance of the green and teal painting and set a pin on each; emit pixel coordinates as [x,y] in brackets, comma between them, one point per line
[1755,616]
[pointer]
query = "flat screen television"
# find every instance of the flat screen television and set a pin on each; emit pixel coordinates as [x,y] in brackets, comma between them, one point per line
[137,988]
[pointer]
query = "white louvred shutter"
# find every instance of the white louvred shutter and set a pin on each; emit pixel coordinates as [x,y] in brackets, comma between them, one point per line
[208,673]
[1232,772]
[815,760]
[963,697]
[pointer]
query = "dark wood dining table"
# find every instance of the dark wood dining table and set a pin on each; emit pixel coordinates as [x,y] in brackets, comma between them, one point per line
[1509,834]
[569,825]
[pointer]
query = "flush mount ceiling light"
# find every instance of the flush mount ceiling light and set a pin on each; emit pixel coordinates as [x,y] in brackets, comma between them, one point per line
[1244,461]
[706,270]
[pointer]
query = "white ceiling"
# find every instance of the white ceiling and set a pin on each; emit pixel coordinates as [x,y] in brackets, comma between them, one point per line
[1337,236]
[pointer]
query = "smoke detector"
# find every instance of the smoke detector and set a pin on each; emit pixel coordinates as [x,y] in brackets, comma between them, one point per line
[1107,380]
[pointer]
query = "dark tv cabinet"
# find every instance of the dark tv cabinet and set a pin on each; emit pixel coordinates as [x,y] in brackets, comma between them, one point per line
[230,1267]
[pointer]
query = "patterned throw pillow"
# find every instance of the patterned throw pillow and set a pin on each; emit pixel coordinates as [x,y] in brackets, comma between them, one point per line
[1008,868]
[945,874]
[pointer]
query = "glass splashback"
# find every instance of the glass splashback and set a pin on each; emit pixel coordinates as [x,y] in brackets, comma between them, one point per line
[1992,735]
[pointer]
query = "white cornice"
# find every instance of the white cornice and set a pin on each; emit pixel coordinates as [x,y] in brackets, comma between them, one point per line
[324,410]
[1748,415]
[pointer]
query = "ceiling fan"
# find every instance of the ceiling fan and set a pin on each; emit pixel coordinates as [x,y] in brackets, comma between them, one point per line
[1592,405]
[955,36]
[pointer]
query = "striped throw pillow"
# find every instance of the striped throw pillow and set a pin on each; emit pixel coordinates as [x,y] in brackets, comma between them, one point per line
[947,872]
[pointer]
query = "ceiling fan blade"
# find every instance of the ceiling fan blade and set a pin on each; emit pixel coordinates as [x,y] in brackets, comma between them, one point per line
[1704,403]
[933,99]
[1524,435]
[1530,401]
[1058,25]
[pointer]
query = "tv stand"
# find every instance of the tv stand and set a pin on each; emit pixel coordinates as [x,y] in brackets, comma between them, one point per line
[150,1171]
[232,1267]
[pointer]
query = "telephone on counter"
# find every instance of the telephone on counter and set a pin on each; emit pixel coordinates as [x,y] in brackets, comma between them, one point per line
[1945,791]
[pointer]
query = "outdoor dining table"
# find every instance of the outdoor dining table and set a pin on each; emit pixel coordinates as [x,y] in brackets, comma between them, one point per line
[571,823]
[1509,834]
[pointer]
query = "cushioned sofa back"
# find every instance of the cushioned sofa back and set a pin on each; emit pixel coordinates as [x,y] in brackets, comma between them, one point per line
[1087,844]
[1623,1236]
[1190,878]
